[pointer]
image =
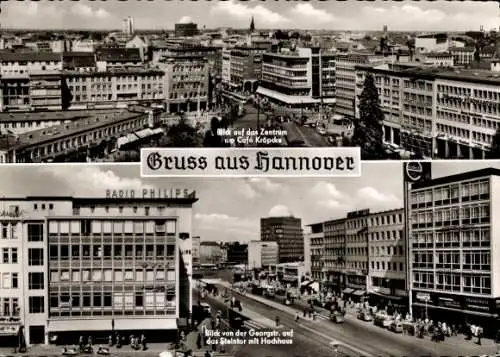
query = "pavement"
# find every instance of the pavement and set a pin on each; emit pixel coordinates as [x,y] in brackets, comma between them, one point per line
[368,338]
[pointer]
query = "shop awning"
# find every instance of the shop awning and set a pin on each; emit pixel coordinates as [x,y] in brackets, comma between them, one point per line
[393,297]
[146,324]
[348,291]
[79,325]
[478,313]
[290,279]
[359,292]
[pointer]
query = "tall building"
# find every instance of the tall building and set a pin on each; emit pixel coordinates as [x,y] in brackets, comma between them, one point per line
[287,232]
[298,79]
[452,248]
[128,26]
[91,266]
[261,255]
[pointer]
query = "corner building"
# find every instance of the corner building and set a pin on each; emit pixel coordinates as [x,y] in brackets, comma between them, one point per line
[454,276]
[98,266]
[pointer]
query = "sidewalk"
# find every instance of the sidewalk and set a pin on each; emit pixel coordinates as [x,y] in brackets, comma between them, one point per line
[457,343]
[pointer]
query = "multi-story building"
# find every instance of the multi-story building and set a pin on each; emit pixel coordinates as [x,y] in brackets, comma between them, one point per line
[210,252]
[237,253]
[261,255]
[387,256]
[196,250]
[462,56]
[226,66]
[438,112]
[14,64]
[299,79]
[128,26]
[45,91]
[187,83]
[287,232]
[96,265]
[345,80]
[453,271]
[93,132]
[314,249]
[186,29]
[246,67]
[108,58]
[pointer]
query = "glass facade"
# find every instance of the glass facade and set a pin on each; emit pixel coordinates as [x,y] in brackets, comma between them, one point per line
[112,267]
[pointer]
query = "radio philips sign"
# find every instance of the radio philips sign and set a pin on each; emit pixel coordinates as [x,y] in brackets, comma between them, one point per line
[416,171]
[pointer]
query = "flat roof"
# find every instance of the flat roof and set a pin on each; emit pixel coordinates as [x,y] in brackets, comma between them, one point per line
[54,115]
[470,175]
[9,56]
[78,126]
[103,200]
[432,73]
[113,71]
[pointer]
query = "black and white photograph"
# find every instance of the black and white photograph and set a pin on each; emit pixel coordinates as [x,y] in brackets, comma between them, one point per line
[85,81]
[396,262]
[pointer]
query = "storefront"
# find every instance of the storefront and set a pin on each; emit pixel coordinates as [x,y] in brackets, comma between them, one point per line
[458,309]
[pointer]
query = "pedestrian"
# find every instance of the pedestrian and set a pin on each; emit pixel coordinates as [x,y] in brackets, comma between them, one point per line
[296,317]
[305,312]
[497,341]
[277,320]
[479,335]
[81,344]
[198,340]
[143,343]
[110,340]
[118,341]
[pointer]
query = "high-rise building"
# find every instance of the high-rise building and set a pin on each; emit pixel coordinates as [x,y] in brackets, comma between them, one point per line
[128,26]
[452,248]
[92,266]
[287,232]
[261,255]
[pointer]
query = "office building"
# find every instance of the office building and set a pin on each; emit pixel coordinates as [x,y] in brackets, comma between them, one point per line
[210,252]
[246,67]
[96,265]
[21,64]
[298,79]
[287,233]
[128,26]
[261,255]
[186,29]
[438,112]
[453,272]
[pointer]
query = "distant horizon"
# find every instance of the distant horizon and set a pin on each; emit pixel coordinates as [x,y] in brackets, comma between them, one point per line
[436,16]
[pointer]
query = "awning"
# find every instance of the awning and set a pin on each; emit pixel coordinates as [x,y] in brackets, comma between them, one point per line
[290,279]
[393,297]
[292,99]
[146,324]
[157,131]
[479,313]
[79,325]
[359,292]
[348,291]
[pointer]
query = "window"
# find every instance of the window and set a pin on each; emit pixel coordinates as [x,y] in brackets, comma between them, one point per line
[35,256]
[36,304]
[35,281]
[35,232]
[5,255]
[14,256]
[15,280]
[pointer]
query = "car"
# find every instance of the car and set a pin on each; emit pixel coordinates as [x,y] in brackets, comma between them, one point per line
[365,316]
[383,320]
[396,326]
[337,317]
[205,307]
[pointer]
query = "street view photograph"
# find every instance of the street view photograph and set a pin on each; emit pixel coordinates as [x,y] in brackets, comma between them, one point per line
[96,81]
[397,262]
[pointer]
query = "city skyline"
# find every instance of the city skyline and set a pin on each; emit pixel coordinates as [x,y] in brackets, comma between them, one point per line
[237,217]
[417,16]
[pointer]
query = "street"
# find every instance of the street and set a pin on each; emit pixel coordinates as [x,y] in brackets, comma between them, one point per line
[364,335]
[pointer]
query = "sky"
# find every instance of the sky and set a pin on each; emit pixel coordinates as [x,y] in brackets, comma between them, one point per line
[330,15]
[230,209]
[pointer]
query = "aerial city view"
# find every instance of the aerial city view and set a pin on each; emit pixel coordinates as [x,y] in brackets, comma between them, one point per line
[96,260]
[88,82]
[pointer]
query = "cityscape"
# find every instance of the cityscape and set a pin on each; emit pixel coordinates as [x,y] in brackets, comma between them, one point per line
[94,83]
[347,259]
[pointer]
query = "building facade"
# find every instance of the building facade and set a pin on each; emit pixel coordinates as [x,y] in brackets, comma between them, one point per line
[302,78]
[452,249]
[287,232]
[261,255]
[210,252]
[97,265]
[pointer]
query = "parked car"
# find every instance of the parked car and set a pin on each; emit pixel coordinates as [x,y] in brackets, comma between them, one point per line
[337,317]
[365,315]
[396,326]
[383,320]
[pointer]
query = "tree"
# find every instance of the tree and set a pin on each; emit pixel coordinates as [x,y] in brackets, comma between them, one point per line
[494,152]
[368,133]
[212,137]
[181,135]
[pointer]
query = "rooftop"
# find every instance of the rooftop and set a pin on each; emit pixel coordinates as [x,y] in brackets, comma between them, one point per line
[470,175]
[85,124]
[191,198]
[119,54]
[54,115]
[9,56]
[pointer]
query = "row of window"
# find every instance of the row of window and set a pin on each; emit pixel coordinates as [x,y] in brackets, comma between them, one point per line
[467,191]
[478,284]
[389,266]
[9,256]
[119,251]
[9,231]
[10,281]
[9,307]
[111,275]
[112,227]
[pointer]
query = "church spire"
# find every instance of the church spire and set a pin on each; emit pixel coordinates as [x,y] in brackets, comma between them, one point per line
[252,25]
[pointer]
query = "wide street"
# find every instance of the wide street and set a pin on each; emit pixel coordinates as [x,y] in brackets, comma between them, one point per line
[364,336]
[309,135]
